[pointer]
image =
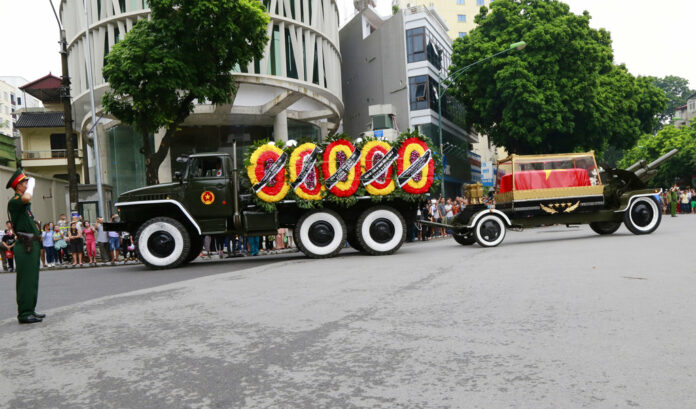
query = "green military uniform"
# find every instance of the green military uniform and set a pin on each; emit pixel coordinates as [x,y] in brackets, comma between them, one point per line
[674,198]
[27,263]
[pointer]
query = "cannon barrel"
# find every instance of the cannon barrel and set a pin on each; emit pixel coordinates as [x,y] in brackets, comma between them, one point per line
[643,172]
[636,165]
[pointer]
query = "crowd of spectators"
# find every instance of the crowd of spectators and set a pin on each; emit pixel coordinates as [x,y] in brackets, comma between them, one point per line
[440,210]
[683,199]
[72,243]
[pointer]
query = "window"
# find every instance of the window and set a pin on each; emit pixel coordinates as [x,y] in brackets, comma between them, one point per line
[415,44]
[460,2]
[19,101]
[461,18]
[58,145]
[462,34]
[205,167]
[479,2]
[382,122]
[417,92]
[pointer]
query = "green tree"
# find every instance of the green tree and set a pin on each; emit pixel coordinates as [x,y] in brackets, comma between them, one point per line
[650,147]
[562,93]
[677,91]
[184,53]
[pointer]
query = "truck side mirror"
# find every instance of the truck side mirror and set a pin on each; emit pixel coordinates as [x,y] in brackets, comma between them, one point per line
[177,176]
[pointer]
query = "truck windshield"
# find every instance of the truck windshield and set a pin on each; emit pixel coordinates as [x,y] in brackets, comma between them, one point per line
[205,167]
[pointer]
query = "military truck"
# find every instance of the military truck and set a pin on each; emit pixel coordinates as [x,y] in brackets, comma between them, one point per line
[537,190]
[169,221]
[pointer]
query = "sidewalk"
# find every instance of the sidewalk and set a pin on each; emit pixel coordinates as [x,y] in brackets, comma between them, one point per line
[205,258]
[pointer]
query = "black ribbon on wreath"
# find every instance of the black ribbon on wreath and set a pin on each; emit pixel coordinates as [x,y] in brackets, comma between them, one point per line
[415,168]
[271,172]
[307,167]
[343,170]
[380,167]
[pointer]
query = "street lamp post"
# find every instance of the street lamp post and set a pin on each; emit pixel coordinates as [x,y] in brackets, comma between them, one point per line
[67,117]
[515,46]
[90,79]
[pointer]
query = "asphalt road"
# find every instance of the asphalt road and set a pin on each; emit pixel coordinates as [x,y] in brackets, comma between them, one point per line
[552,318]
[60,287]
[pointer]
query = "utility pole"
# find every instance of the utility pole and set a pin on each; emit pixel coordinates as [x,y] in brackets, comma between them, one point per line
[67,116]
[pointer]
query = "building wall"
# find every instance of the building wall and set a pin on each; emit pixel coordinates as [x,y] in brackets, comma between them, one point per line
[686,114]
[297,79]
[450,10]
[50,196]
[305,30]
[7,92]
[37,156]
[374,72]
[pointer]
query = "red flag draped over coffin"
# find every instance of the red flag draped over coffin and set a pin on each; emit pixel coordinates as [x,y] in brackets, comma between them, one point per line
[545,179]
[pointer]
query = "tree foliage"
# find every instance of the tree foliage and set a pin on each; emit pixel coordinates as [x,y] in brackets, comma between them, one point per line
[184,53]
[651,147]
[561,93]
[676,90]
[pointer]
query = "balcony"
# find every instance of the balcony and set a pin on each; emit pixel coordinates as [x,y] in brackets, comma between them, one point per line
[54,157]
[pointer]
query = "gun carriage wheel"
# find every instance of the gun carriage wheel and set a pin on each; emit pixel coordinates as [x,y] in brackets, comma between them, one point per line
[465,239]
[489,230]
[320,233]
[163,242]
[605,227]
[643,215]
[380,230]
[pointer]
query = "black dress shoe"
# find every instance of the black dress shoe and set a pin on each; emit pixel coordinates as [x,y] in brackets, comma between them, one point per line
[37,315]
[29,320]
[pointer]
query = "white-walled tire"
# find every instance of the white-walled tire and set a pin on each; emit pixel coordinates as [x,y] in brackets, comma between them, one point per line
[380,230]
[320,233]
[489,230]
[643,216]
[162,242]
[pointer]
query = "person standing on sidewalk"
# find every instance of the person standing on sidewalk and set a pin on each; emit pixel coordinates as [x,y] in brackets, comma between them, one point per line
[673,200]
[48,245]
[114,242]
[27,248]
[3,248]
[102,241]
[89,234]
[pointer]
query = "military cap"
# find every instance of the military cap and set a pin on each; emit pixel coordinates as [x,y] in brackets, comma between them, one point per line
[16,177]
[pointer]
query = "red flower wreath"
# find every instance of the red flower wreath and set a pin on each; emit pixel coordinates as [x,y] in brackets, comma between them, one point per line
[334,155]
[410,150]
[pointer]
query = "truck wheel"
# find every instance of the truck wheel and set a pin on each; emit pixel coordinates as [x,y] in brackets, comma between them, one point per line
[352,239]
[320,233]
[380,230]
[643,216]
[162,243]
[489,231]
[465,239]
[605,227]
[195,250]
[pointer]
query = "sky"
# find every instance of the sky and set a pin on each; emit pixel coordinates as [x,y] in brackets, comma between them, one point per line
[652,37]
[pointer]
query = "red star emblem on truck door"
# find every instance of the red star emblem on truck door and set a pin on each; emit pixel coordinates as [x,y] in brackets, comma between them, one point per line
[207,197]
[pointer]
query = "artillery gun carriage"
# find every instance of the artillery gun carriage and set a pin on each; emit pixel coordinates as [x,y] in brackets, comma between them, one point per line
[570,189]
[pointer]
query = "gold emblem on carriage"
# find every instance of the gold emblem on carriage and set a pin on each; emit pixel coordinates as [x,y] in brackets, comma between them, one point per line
[561,207]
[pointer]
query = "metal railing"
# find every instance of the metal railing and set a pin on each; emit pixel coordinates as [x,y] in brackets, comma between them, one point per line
[50,154]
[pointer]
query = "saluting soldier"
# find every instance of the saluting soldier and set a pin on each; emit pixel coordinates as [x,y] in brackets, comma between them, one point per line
[27,248]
